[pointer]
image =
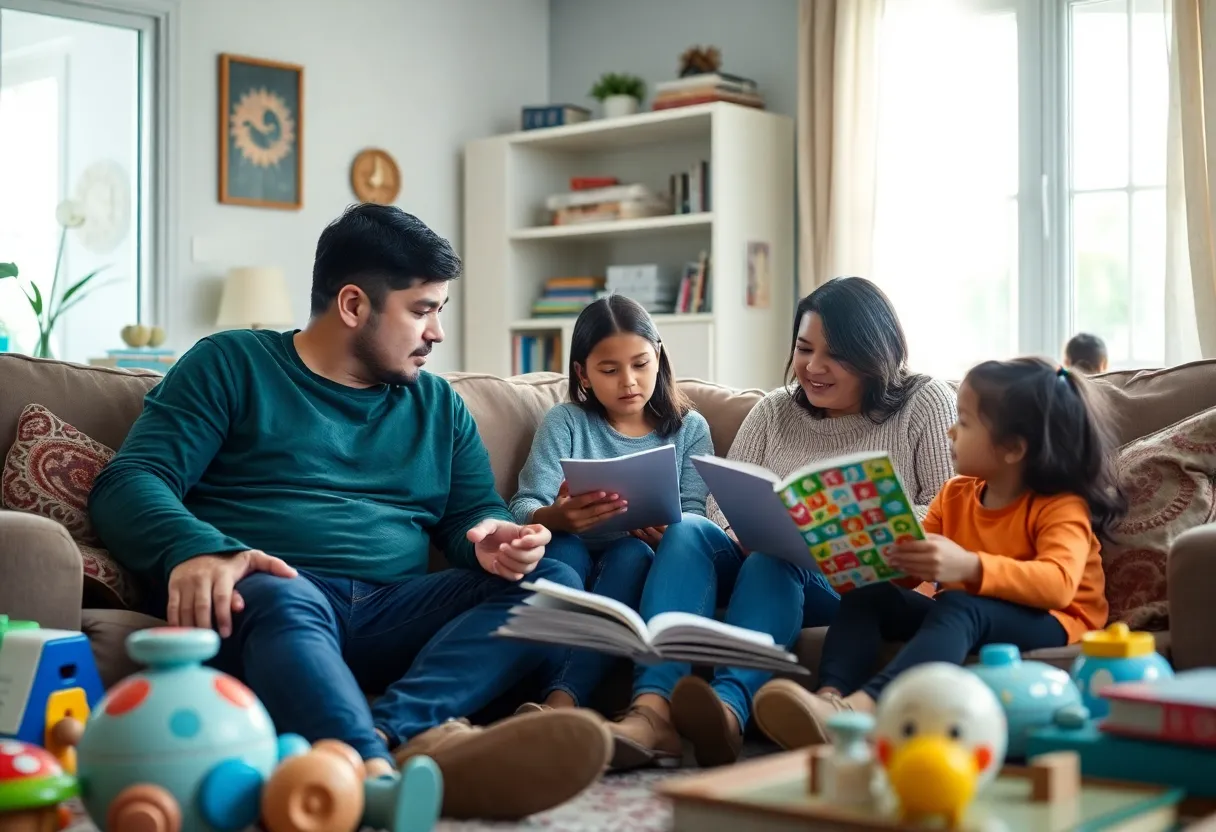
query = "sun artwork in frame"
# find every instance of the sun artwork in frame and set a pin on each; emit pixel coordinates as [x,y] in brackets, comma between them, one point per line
[261,133]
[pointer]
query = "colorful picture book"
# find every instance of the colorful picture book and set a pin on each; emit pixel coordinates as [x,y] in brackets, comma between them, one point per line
[841,516]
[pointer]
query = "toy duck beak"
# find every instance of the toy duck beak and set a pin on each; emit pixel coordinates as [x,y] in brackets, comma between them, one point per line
[933,765]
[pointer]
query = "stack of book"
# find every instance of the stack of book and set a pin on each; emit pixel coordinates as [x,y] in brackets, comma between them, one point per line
[139,358]
[567,295]
[650,285]
[706,88]
[614,202]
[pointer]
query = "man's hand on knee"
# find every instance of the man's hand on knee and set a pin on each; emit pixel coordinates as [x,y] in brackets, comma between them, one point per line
[509,550]
[205,584]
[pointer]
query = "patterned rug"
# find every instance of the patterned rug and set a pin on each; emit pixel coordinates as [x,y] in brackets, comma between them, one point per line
[617,803]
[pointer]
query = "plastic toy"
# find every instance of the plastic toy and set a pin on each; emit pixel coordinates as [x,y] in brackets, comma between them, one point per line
[1115,655]
[1031,693]
[184,748]
[33,787]
[51,685]
[849,770]
[940,736]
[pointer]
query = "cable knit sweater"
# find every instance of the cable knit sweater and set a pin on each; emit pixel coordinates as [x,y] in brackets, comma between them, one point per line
[781,436]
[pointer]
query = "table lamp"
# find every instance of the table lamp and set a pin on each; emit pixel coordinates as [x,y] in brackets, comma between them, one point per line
[255,297]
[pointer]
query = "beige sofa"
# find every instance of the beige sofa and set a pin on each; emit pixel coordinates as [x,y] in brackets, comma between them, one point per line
[41,566]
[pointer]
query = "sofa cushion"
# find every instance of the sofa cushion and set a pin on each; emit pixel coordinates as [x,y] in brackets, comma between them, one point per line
[49,471]
[1145,401]
[1168,478]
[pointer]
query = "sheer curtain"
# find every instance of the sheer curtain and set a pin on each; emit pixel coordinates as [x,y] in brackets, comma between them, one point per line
[1191,182]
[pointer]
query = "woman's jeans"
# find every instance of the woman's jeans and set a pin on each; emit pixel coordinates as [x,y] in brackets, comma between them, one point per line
[618,572]
[698,568]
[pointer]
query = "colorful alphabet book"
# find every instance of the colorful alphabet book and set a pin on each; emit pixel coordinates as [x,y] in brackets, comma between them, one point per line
[841,516]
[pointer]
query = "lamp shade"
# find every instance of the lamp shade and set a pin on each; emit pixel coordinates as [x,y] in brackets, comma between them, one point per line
[255,297]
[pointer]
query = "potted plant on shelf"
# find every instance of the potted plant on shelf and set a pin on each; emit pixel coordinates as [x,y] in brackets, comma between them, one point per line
[620,93]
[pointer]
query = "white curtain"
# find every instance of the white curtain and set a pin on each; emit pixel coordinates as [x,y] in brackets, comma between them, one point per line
[837,129]
[1191,183]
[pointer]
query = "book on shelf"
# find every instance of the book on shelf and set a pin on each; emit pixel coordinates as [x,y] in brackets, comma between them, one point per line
[841,516]
[536,353]
[649,481]
[690,190]
[565,296]
[556,614]
[1179,709]
[552,115]
[613,202]
[692,295]
[706,88]
[650,284]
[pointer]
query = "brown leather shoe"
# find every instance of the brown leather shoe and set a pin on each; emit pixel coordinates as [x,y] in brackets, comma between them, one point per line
[550,757]
[700,717]
[643,738]
[792,716]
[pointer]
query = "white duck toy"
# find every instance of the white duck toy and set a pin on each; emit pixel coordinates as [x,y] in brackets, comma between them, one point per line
[940,735]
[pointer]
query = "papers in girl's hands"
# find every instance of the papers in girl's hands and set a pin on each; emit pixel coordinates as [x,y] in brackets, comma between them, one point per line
[649,481]
[758,517]
[557,614]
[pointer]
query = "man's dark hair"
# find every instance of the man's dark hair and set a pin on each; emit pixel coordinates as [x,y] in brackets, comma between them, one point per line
[1086,353]
[380,249]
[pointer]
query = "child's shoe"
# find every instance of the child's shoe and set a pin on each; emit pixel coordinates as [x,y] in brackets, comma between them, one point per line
[792,716]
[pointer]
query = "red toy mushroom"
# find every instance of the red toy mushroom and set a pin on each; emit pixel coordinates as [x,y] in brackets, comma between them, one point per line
[32,788]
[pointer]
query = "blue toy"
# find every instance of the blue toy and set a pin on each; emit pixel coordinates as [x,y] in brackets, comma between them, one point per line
[1031,693]
[1112,656]
[184,748]
[47,677]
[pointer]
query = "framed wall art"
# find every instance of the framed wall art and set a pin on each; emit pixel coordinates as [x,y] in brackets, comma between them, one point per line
[261,133]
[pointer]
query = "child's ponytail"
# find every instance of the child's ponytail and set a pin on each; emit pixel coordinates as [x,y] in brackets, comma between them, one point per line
[1069,434]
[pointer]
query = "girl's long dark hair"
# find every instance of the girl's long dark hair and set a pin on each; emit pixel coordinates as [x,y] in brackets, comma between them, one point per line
[611,316]
[864,333]
[1067,428]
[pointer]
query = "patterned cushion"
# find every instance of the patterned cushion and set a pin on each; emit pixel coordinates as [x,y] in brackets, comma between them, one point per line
[1168,476]
[49,471]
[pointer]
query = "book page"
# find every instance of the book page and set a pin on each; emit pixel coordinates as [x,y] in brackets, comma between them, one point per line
[756,514]
[550,595]
[648,480]
[709,630]
[851,513]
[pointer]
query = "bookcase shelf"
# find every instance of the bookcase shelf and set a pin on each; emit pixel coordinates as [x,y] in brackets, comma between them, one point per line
[740,338]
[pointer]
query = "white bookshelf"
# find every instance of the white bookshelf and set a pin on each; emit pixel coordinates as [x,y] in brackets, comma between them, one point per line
[510,251]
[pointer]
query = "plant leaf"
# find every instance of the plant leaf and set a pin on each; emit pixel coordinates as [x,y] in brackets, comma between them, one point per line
[8,270]
[36,301]
[79,284]
[65,305]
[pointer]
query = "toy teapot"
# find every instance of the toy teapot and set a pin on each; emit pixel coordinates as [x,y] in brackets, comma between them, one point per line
[1112,656]
[1031,693]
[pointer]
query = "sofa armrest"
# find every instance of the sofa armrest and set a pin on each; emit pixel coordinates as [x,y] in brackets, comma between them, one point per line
[41,571]
[1191,576]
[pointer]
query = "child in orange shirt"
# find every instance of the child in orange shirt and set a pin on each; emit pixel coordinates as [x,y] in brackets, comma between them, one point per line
[1012,543]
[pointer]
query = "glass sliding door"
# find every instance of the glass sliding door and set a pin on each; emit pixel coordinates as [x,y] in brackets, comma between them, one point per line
[74,174]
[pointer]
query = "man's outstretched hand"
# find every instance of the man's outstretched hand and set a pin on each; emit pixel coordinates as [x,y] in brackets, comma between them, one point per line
[206,583]
[508,550]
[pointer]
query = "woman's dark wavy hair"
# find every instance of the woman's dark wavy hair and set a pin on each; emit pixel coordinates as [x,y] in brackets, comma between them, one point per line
[1067,427]
[863,332]
[613,315]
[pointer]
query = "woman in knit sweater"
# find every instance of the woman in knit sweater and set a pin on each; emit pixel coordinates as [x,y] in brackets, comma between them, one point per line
[849,391]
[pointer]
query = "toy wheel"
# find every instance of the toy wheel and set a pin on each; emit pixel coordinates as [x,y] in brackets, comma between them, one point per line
[230,795]
[316,792]
[144,808]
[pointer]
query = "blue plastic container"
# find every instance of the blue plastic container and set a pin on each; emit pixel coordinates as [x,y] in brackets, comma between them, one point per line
[1031,692]
[1113,656]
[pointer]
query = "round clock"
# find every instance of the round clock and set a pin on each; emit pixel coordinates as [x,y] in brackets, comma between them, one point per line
[104,195]
[374,176]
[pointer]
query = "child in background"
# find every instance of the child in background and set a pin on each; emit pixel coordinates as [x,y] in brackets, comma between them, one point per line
[1085,353]
[623,399]
[1012,542]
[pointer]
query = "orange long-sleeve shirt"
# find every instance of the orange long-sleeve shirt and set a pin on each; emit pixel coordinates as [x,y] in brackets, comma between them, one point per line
[1038,551]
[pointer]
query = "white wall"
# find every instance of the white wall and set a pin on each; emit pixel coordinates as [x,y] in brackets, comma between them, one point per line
[416,77]
[758,40]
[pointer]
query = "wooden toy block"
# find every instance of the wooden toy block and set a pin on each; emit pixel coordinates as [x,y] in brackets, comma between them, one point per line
[1055,777]
[817,757]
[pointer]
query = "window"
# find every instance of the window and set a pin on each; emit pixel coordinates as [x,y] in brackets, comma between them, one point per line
[1021,171]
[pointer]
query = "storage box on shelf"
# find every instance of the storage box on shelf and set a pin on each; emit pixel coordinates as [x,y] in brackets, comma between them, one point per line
[513,248]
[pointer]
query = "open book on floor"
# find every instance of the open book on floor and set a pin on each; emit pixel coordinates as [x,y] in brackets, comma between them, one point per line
[557,614]
[841,516]
[649,481]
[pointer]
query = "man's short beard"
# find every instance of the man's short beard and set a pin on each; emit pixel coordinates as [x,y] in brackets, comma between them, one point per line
[374,364]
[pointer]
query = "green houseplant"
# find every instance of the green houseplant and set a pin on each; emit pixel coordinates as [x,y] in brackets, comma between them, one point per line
[48,309]
[620,93]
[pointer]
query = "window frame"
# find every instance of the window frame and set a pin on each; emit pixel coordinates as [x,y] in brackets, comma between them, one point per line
[156,223]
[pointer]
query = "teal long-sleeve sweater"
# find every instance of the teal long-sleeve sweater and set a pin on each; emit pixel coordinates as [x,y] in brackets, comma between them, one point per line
[241,446]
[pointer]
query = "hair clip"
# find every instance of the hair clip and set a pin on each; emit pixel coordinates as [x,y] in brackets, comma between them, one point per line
[1062,372]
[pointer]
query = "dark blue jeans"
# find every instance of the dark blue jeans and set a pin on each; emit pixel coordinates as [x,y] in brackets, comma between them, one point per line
[310,646]
[698,568]
[618,572]
[947,628]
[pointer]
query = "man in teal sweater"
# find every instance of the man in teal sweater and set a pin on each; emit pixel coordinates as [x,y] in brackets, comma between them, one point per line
[284,488]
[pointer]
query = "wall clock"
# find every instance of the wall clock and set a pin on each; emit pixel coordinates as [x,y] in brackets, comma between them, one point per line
[374,177]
